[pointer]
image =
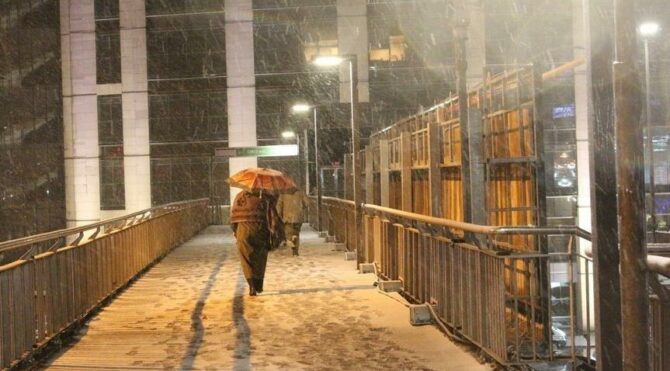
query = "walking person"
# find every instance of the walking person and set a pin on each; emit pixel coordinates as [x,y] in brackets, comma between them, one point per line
[291,208]
[255,223]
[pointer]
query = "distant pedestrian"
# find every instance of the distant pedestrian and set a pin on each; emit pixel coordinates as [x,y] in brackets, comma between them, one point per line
[291,209]
[255,223]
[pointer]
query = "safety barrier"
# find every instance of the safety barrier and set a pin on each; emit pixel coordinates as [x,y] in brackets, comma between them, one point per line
[660,331]
[501,301]
[337,218]
[493,299]
[61,276]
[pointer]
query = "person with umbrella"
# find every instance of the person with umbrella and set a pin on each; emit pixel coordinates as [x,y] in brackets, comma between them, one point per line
[255,221]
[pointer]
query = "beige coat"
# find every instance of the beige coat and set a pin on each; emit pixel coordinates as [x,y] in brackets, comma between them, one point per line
[290,207]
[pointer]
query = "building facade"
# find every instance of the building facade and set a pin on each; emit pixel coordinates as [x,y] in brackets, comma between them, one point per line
[113,106]
[31,119]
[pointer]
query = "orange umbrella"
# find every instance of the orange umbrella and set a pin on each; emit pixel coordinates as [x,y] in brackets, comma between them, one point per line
[256,179]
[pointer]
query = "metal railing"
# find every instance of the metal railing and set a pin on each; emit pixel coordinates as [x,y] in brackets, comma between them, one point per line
[659,308]
[50,281]
[501,301]
[337,218]
[660,329]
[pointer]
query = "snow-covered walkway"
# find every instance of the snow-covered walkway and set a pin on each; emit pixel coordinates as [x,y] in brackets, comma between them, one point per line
[191,311]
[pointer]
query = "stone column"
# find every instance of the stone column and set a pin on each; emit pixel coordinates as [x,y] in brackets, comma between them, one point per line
[352,38]
[80,112]
[135,103]
[241,82]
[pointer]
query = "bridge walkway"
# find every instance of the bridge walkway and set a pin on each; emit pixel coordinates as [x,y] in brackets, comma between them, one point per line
[192,311]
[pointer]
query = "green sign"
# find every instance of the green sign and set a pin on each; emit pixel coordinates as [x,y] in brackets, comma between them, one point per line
[280,150]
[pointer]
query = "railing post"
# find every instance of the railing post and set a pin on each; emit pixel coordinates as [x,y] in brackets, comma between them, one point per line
[369,176]
[348,178]
[664,334]
[384,174]
[434,170]
[406,170]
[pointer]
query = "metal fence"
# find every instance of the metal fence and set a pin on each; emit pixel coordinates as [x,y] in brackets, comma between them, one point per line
[55,279]
[494,299]
[660,331]
[337,217]
[500,301]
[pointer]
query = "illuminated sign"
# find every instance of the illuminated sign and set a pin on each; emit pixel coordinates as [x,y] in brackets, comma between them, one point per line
[566,111]
[280,150]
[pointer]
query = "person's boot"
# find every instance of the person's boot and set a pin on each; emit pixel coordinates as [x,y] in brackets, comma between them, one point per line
[295,245]
[252,287]
[258,283]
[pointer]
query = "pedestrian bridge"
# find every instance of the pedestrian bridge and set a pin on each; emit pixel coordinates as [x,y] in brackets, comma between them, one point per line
[163,289]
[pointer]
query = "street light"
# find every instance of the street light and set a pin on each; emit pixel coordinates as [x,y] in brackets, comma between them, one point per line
[648,30]
[288,134]
[300,108]
[326,61]
[304,108]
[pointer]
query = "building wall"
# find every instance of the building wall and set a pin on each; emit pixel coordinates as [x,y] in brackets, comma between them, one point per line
[188,115]
[161,113]
[31,131]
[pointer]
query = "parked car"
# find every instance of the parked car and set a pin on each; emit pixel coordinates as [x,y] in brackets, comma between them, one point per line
[559,338]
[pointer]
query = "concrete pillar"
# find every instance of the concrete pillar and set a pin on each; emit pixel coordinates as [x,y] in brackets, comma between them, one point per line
[352,38]
[135,103]
[476,43]
[384,174]
[582,123]
[582,112]
[241,82]
[600,29]
[477,167]
[80,112]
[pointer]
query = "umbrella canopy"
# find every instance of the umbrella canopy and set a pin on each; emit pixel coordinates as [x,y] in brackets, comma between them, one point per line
[256,179]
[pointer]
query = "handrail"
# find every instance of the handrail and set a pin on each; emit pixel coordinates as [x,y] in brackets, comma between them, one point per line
[555,230]
[659,264]
[655,263]
[58,287]
[468,227]
[482,229]
[335,199]
[47,236]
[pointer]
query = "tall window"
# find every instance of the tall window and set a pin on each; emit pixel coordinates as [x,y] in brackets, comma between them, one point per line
[107,41]
[110,137]
[186,67]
